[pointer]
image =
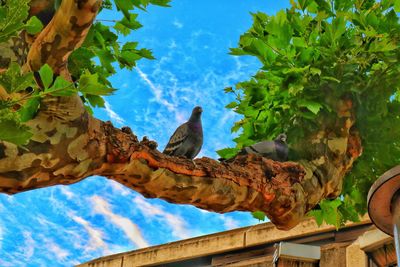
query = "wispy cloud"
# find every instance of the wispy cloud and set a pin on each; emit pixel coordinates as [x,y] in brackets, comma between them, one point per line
[172,44]
[95,241]
[177,24]
[1,237]
[229,222]
[67,192]
[56,251]
[29,245]
[119,188]
[131,230]
[112,114]
[175,222]
[156,90]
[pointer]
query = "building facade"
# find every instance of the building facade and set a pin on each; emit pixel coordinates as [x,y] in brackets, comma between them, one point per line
[307,245]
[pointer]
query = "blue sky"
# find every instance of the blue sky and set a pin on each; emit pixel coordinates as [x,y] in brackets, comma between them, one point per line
[67,225]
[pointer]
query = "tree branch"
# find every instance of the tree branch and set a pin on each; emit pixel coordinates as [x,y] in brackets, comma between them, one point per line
[65,152]
[65,33]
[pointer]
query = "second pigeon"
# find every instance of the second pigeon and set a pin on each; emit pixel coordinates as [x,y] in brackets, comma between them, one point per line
[276,150]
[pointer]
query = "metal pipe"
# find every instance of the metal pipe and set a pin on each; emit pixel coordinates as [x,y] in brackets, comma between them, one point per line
[395,207]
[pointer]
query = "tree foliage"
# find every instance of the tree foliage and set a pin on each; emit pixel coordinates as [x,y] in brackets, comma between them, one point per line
[313,55]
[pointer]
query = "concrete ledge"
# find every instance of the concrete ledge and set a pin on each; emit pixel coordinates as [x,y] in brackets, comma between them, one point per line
[212,244]
[374,238]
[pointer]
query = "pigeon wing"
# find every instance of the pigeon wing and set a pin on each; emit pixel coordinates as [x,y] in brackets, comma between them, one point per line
[176,140]
[263,148]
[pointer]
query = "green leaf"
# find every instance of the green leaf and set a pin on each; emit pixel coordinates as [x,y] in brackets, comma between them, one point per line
[106,58]
[33,25]
[57,4]
[80,60]
[129,54]
[61,87]
[89,109]
[125,25]
[13,132]
[228,153]
[124,6]
[294,89]
[338,27]
[164,3]
[146,53]
[330,211]
[315,71]
[259,215]
[3,13]
[397,5]
[328,78]
[317,214]
[95,100]
[29,109]
[46,75]
[11,128]
[232,105]
[13,80]
[312,106]
[89,84]
[299,42]
[14,13]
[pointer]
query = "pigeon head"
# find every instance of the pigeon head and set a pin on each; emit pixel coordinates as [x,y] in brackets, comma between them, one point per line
[196,114]
[282,138]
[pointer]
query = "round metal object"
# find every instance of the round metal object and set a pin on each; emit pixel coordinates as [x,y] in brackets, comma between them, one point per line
[380,199]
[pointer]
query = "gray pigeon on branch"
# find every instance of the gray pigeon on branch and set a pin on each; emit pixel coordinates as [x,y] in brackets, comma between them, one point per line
[187,138]
[276,150]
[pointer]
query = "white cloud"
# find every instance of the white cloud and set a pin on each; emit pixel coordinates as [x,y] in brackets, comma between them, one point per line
[56,251]
[175,222]
[67,192]
[1,237]
[229,222]
[172,45]
[29,245]
[156,90]
[132,231]
[112,114]
[95,241]
[177,24]
[119,188]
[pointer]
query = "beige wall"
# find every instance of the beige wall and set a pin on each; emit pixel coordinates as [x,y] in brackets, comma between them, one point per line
[332,255]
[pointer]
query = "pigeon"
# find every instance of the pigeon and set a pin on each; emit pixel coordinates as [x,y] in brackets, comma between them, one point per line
[276,150]
[187,138]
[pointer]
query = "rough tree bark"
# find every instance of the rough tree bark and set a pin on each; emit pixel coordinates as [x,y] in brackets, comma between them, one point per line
[69,145]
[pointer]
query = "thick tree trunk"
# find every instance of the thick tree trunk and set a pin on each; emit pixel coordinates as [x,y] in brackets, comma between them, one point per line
[69,145]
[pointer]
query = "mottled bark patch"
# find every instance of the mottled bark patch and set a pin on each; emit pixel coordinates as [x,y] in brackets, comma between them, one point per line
[4,62]
[95,7]
[39,148]
[81,3]
[77,29]
[20,48]
[2,152]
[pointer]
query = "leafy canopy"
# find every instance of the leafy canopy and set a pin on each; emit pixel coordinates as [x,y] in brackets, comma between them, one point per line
[314,54]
